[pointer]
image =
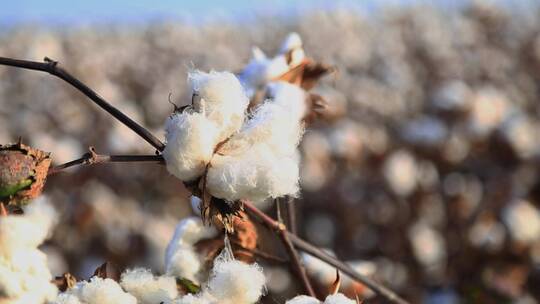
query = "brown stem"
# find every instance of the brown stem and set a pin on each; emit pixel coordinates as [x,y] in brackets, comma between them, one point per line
[293,254]
[92,158]
[325,257]
[52,67]
[291,215]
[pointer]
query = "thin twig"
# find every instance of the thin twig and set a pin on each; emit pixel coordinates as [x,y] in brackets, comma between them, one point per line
[325,257]
[293,254]
[92,158]
[52,68]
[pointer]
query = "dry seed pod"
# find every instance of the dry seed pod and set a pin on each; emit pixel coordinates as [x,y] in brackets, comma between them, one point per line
[243,241]
[23,171]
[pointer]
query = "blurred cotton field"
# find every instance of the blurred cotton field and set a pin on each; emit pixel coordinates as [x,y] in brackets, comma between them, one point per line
[423,173]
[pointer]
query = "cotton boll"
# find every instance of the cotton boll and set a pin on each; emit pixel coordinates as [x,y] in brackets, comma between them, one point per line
[261,161]
[188,232]
[235,282]
[222,100]
[185,263]
[24,275]
[180,257]
[303,300]
[292,46]
[290,97]
[147,288]
[101,291]
[191,138]
[523,221]
[338,298]
[28,230]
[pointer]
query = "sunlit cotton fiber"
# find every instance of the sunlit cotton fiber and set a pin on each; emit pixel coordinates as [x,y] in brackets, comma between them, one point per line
[147,288]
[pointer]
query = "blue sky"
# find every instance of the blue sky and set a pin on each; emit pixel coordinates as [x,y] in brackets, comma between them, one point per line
[77,12]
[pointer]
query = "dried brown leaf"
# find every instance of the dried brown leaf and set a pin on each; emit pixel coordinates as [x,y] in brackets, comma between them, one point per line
[107,270]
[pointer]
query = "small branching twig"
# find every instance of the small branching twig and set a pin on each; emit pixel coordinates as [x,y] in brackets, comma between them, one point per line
[92,158]
[53,68]
[323,256]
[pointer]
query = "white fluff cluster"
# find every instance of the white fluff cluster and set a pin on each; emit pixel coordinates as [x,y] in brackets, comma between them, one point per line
[337,298]
[96,291]
[262,70]
[181,260]
[24,275]
[231,282]
[217,112]
[261,161]
[147,288]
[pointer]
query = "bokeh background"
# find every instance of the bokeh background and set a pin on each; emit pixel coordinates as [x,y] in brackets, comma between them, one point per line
[424,174]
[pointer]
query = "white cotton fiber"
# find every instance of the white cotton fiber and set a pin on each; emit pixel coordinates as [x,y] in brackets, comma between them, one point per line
[217,112]
[235,282]
[256,175]
[24,274]
[191,139]
[28,230]
[67,298]
[261,161]
[147,288]
[303,300]
[180,257]
[338,298]
[203,298]
[221,99]
[99,291]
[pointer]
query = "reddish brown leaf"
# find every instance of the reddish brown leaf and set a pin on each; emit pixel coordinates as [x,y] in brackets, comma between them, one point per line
[107,270]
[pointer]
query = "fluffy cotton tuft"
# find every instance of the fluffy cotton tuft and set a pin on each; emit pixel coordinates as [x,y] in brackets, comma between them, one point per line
[221,99]
[24,274]
[235,282]
[303,300]
[193,134]
[147,288]
[180,257]
[96,291]
[261,161]
[191,138]
[338,298]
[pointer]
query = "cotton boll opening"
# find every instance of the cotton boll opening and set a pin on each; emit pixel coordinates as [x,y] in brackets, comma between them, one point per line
[261,161]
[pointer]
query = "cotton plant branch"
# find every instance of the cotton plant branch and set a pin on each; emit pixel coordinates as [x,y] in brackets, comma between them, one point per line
[92,158]
[291,251]
[323,256]
[53,68]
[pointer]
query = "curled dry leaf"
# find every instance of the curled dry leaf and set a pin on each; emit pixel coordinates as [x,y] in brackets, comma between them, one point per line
[334,288]
[23,171]
[108,270]
[65,281]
